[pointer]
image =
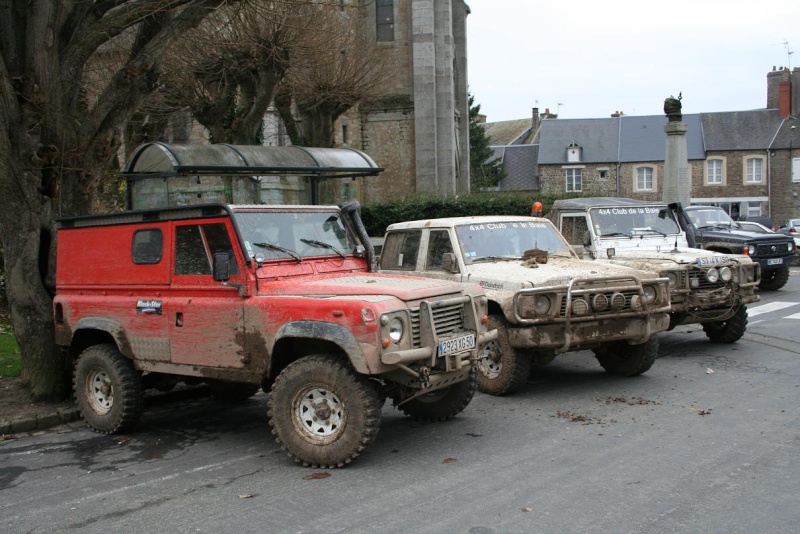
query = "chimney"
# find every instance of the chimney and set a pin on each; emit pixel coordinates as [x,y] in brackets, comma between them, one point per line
[535,120]
[795,92]
[774,80]
[785,97]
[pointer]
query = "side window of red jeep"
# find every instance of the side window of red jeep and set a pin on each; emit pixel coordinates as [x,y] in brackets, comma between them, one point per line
[195,246]
[148,246]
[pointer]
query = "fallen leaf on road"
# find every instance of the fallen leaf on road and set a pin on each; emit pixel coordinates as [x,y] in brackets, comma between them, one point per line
[449,461]
[527,509]
[315,476]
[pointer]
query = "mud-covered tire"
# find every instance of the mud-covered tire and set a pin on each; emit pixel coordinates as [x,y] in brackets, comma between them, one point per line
[621,359]
[323,413]
[232,392]
[774,279]
[730,330]
[443,404]
[502,370]
[108,390]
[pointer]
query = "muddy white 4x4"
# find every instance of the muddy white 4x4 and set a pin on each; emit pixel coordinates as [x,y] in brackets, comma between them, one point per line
[543,300]
[242,296]
[707,287]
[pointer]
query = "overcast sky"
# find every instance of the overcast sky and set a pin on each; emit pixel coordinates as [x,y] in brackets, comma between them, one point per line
[597,57]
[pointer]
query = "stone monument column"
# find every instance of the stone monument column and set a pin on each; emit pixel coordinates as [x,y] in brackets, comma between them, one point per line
[677,182]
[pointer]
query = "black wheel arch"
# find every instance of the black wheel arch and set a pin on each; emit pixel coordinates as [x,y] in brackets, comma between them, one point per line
[302,338]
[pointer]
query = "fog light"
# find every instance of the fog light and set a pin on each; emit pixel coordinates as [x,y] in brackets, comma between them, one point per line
[694,282]
[636,303]
[580,307]
[712,275]
[617,301]
[600,302]
[726,273]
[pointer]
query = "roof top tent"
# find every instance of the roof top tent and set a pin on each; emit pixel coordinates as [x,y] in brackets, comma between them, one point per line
[161,175]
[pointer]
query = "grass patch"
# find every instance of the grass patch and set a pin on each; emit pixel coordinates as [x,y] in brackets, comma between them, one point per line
[10,358]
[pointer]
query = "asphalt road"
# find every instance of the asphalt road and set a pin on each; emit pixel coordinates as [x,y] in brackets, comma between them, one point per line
[707,441]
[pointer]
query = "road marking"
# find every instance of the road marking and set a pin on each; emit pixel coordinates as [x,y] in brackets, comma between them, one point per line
[766,308]
[793,316]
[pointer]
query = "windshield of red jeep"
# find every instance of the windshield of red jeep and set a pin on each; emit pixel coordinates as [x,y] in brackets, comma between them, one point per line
[272,235]
[509,239]
[633,221]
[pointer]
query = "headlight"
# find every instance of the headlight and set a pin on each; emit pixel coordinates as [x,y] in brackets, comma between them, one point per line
[541,304]
[396,330]
[790,247]
[751,249]
[712,275]
[726,274]
[649,294]
[673,280]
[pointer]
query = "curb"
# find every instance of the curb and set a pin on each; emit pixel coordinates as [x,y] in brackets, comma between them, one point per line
[59,416]
[39,422]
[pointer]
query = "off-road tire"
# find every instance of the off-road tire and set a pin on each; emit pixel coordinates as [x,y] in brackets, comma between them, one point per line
[502,370]
[108,390]
[774,279]
[323,413]
[730,330]
[621,359]
[232,392]
[443,404]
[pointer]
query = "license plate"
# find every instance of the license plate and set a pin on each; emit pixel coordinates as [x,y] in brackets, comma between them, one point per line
[774,261]
[457,344]
[712,260]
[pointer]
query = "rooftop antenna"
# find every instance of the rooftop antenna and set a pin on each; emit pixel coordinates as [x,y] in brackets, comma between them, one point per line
[789,52]
[559,107]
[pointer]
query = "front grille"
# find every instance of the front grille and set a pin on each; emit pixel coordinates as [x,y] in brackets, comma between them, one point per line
[447,320]
[771,251]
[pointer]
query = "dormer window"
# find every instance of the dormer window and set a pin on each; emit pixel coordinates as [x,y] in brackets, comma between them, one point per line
[574,153]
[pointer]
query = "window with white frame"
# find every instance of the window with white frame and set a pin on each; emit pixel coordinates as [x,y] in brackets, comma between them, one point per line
[796,170]
[754,208]
[754,170]
[714,172]
[574,180]
[645,179]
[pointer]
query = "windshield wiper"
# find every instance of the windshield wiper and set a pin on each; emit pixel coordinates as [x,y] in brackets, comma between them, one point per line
[279,248]
[323,245]
[612,234]
[649,229]
[495,258]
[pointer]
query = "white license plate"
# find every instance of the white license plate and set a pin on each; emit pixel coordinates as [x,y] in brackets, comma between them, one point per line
[775,261]
[457,344]
[712,260]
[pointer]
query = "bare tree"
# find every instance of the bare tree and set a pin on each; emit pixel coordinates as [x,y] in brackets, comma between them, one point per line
[318,90]
[61,108]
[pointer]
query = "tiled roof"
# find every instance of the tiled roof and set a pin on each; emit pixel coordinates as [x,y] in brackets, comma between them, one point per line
[508,132]
[520,166]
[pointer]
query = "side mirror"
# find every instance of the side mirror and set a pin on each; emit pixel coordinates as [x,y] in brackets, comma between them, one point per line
[449,262]
[222,266]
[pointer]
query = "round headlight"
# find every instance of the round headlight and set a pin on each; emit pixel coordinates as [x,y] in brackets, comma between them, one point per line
[712,275]
[790,247]
[673,280]
[600,302]
[541,304]
[726,273]
[395,330]
[580,307]
[649,294]
[751,250]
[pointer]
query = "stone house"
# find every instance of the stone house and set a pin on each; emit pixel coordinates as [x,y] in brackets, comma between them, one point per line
[745,161]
